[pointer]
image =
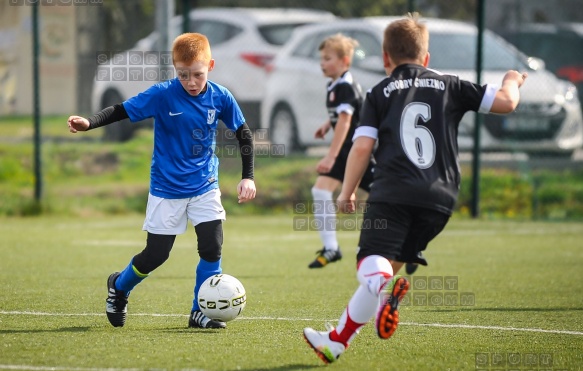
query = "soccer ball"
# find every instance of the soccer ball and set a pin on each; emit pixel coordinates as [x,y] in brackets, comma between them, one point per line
[222,297]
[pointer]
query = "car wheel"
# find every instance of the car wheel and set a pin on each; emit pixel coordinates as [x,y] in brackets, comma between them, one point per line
[283,130]
[121,131]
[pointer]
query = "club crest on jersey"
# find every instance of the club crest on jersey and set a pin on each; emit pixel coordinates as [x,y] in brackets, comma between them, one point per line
[211,116]
[332,96]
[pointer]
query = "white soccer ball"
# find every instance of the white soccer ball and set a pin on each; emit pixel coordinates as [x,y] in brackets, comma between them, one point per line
[222,297]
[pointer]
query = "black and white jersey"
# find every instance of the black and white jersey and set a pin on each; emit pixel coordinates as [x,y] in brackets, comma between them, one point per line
[415,113]
[344,95]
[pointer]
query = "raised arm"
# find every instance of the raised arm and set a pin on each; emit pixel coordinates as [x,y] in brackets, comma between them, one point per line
[508,96]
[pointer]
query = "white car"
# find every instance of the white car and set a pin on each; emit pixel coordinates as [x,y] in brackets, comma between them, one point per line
[548,119]
[243,41]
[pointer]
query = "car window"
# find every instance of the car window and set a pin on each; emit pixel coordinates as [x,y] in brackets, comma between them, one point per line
[278,34]
[305,47]
[556,49]
[454,51]
[309,47]
[217,32]
[566,48]
[367,54]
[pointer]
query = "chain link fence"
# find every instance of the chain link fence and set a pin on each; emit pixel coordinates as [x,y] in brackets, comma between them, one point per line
[81,39]
[548,121]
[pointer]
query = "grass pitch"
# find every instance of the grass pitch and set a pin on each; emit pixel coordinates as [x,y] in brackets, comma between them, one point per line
[496,296]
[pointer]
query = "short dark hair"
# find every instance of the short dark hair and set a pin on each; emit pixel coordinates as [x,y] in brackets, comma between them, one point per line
[406,39]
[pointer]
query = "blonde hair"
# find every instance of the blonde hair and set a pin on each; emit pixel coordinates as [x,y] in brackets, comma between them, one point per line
[406,39]
[342,45]
[191,47]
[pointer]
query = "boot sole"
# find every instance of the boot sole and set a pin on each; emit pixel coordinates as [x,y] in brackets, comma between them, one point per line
[388,317]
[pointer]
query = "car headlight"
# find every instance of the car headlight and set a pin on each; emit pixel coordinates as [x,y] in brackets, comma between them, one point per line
[535,63]
[567,93]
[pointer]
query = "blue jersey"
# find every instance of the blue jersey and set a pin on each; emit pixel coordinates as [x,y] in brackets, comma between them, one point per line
[184,163]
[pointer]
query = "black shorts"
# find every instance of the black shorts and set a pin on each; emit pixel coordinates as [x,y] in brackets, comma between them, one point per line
[339,168]
[398,232]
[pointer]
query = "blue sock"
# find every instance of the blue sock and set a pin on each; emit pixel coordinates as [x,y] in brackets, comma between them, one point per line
[129,278]
[203,271]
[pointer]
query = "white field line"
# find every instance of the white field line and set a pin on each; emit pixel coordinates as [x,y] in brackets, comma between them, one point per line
[55,368]
[67,368]
[243,318]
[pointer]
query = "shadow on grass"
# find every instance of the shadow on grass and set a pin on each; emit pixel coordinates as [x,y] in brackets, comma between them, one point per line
[63,329]
[184,330]
[188,330]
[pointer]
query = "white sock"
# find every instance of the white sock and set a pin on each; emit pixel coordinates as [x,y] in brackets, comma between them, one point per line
[361,308]
[373,273]
[325,215]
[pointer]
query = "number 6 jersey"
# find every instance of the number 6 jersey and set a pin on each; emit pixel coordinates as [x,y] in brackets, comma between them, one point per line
[414,114]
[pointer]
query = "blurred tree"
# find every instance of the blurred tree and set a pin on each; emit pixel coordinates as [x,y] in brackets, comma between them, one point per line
[125,22]
[461,9]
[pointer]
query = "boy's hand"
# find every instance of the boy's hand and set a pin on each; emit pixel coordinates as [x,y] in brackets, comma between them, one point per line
[325,165]
[246,190]
[77,123]
[515,76]
[322,130]
[346,204]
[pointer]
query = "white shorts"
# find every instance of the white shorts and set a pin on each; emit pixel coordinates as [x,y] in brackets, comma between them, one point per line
[170,216]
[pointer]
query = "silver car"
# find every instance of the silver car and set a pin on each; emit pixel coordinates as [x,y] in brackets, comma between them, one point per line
[547,121]
[243,41]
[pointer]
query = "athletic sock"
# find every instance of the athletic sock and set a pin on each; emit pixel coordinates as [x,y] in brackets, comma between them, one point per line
[325,216]
[374,272]
[360,309]
[204,270]
[129,278]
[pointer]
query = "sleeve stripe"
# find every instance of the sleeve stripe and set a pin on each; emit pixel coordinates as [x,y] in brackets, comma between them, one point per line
[345,107]
[365,131]
[488,98]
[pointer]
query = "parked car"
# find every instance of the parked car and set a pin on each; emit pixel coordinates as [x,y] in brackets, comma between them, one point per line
[548,118]
[559,45]
[243,41]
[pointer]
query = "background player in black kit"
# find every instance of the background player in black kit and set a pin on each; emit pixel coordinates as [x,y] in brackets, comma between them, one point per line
[343,101]
[414,115]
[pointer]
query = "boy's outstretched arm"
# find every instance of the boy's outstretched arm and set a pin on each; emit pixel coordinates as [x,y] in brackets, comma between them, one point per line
[104,117]
[508,96]
[356,165]
[246,188]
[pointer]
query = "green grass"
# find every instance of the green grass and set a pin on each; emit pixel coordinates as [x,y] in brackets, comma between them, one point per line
[20,128]
[525,277]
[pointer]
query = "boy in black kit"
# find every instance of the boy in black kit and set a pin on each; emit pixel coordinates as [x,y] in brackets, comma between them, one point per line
[414,115]
[343,101]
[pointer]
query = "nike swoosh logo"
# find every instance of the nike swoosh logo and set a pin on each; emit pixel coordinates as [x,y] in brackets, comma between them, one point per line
[175,114]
